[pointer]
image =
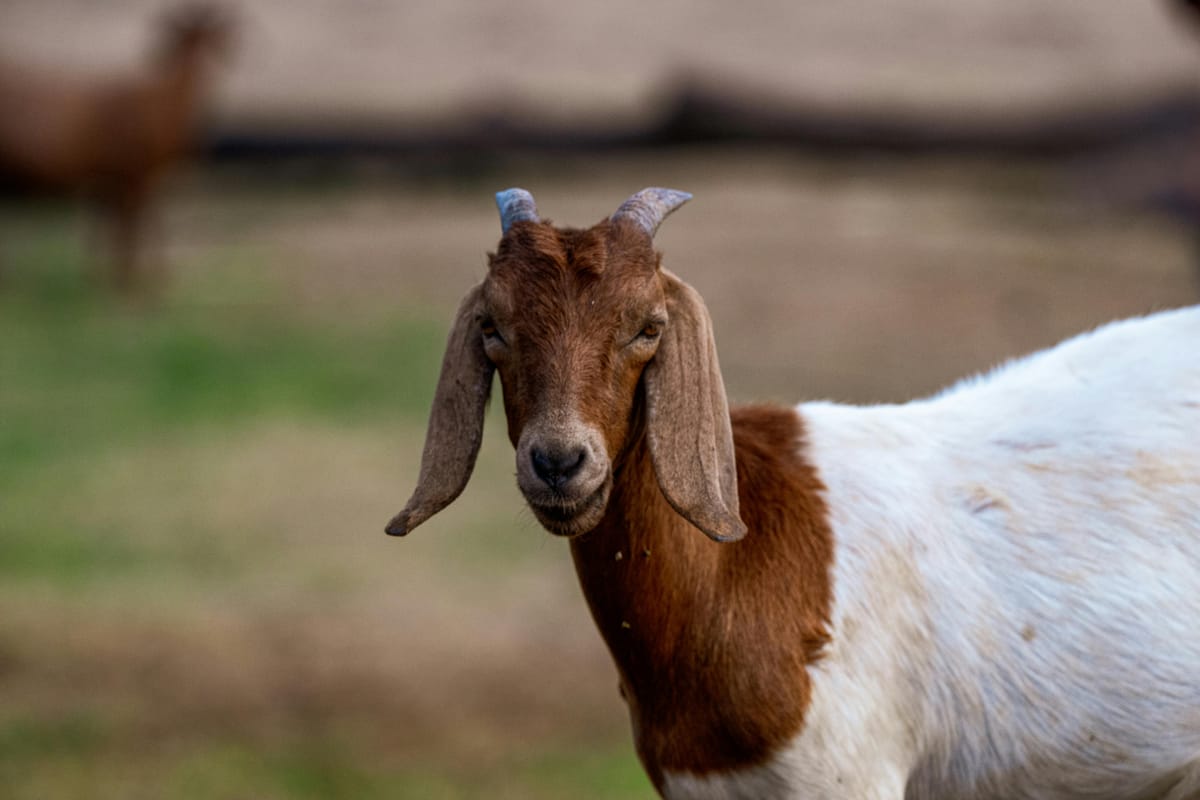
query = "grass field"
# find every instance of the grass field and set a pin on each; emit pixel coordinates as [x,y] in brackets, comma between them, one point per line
[196,597]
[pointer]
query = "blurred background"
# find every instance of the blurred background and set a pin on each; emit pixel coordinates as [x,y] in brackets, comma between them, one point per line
[215,368]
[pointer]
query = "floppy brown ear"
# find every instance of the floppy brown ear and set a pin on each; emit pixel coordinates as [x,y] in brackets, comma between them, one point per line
[691,441]
[455,423]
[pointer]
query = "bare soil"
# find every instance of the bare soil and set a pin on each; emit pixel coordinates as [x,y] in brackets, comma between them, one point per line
[610,62]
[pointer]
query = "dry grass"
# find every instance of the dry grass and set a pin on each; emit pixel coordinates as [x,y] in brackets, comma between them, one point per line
[823,278]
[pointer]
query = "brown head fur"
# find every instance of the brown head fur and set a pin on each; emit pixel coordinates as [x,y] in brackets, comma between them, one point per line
[588,333]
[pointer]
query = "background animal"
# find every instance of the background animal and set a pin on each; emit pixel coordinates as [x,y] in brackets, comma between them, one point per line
[109,137]
[986,594]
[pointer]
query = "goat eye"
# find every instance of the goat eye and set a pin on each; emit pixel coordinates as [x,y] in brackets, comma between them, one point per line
[648,335]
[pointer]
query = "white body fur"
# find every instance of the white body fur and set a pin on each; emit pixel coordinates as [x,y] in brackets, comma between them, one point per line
[1016,585]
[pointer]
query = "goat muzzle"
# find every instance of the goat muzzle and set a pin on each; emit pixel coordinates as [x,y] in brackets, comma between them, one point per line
[565,476]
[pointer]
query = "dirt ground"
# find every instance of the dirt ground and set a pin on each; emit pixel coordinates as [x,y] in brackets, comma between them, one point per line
[606,63]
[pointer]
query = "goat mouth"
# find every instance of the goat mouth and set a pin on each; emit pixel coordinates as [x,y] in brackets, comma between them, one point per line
[570,518]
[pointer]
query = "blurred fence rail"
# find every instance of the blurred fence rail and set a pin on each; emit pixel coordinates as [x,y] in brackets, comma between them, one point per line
[706,114]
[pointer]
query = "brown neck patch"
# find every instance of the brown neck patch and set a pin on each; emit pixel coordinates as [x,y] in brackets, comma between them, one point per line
[713,641]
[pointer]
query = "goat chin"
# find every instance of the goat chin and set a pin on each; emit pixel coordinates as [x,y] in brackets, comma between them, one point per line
[568,517]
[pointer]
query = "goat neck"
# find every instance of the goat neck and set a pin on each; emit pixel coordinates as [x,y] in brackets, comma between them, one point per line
[712,641]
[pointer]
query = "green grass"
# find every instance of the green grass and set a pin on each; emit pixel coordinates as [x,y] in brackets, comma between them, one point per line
[324,773]
[90,376]
[77,757]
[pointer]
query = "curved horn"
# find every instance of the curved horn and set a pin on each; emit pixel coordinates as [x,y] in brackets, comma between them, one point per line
[649,207]
[516,205]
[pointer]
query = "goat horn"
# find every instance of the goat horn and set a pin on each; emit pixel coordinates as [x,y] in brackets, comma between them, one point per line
[516,205]
[649,207]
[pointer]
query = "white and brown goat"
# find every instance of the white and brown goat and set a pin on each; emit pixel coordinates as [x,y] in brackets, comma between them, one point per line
[992,593]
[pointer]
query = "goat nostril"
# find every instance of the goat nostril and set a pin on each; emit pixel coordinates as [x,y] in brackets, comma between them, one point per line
[572,465]
[556,468]
[541,465]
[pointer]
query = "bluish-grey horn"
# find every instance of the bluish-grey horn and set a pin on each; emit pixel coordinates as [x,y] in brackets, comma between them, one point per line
[516,205]
[649,207]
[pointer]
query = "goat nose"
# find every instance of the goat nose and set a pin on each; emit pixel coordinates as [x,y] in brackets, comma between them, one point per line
[557,467]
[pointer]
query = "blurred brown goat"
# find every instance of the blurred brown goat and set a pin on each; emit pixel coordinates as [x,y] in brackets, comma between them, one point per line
[112,137]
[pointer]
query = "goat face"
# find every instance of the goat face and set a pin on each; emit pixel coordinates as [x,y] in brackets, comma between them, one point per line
[570,319]
[593,342]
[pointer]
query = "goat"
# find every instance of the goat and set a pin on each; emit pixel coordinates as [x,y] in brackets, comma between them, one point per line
[111,137]
[990,593]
